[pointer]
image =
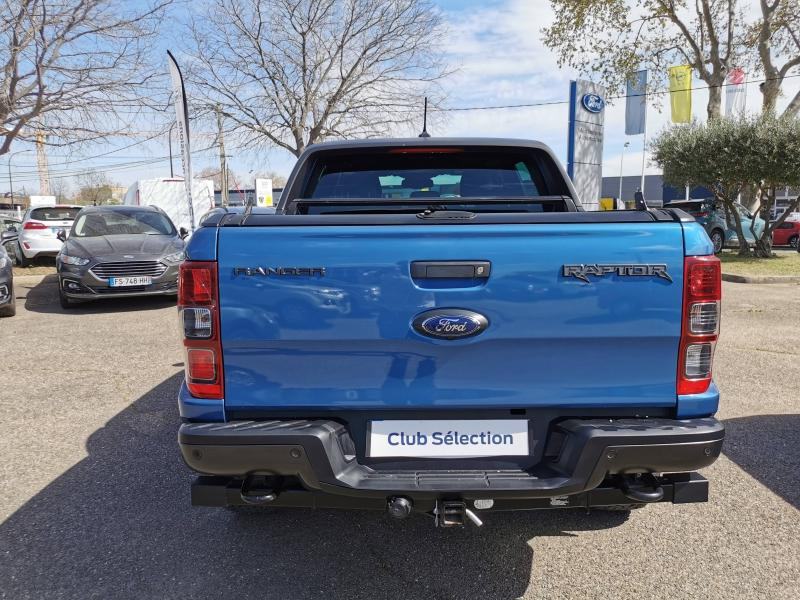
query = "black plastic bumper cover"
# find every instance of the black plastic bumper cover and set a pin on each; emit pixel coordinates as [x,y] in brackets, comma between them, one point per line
[311,451]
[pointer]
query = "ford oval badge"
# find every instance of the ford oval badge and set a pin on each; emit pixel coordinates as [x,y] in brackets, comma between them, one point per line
[593,103]
[450,323]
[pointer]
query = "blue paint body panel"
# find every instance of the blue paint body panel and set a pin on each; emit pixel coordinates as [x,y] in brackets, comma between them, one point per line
[696,241]
[203,244]
[699,405]
[199,409]
[345,341]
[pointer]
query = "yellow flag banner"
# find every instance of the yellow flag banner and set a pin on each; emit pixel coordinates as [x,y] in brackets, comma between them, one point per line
[680,93]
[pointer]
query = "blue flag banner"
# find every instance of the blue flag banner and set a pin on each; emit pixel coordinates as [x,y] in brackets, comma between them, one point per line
[636,104]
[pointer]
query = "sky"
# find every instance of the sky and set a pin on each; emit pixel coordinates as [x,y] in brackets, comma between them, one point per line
[496,48]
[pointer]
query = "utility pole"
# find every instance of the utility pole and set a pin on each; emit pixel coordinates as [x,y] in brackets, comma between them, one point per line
[41,160]
[223,165]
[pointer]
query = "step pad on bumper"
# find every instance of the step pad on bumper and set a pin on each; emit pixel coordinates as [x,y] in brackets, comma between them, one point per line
[312,450]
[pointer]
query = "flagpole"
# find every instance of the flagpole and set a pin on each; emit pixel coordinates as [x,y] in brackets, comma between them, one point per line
[644,141]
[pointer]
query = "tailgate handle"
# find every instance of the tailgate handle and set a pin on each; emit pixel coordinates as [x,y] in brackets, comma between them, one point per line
[450,269]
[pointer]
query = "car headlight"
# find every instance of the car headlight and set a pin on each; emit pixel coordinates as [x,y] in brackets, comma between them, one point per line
[175,257]
[74,260]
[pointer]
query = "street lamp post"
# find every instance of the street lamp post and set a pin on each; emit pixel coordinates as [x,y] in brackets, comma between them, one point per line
[621,158]
[10,179]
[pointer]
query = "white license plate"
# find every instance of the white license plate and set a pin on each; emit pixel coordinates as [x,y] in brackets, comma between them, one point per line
[448,439]
[129,281]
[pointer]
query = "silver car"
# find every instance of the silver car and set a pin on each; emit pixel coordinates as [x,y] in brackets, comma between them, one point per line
[119,251]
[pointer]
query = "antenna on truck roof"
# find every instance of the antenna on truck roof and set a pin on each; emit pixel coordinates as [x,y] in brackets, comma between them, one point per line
[425,133]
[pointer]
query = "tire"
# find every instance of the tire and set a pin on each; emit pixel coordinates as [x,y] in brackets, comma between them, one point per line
[65,302]
[793,241]
[10,309]
[718,239]
[22,260]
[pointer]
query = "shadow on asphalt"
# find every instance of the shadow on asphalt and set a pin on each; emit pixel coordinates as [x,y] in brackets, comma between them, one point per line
[765,446]
[119,525]
[43,298]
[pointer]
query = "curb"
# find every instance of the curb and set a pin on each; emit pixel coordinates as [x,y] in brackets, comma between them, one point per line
[759,279]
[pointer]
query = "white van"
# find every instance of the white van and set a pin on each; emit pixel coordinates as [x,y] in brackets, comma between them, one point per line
[169,194]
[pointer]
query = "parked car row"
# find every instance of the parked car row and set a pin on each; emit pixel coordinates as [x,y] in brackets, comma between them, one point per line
[100,251]
[712,218]
[125,251]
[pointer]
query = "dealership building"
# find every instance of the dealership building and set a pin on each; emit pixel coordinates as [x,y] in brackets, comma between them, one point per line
[658,193]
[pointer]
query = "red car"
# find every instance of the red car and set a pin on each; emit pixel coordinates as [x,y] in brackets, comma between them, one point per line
[786,234]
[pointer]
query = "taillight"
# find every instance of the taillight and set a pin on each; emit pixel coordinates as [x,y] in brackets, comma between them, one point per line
[34,225]
[702,295]
[198,305]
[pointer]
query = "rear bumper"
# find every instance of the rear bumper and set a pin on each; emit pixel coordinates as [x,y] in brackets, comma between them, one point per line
[39,246]
[319,454]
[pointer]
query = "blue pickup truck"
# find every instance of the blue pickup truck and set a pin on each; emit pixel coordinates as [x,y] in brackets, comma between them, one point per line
[436,326]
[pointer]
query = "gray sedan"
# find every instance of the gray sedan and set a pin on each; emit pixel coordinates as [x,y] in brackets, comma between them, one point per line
[119,251]
[8,306]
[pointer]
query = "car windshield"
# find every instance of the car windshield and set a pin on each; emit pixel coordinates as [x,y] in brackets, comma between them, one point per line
[54,213]
[119,222]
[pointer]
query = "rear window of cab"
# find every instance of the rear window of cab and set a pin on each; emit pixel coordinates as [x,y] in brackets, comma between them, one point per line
[448,172]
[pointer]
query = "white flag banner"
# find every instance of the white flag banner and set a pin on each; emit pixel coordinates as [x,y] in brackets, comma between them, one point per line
[182,115]
[735,92]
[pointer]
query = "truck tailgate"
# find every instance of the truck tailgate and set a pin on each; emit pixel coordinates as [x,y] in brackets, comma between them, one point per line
[345,340]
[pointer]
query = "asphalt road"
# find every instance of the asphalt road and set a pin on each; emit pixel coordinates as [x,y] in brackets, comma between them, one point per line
[94,496]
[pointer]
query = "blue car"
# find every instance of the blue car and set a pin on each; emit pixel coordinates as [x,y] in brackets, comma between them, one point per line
[711,216]
[516,352]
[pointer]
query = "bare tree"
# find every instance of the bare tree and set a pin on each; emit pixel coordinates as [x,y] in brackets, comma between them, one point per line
[75,69]
[215,175]
[290,73]
[777,38]
[94,187]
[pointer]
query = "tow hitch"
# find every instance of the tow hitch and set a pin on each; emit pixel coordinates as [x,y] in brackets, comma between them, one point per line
[453,513]
[256,490]
[643,488]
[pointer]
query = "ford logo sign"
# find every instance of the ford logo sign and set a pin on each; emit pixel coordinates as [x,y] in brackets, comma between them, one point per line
[450,323]
[593,103]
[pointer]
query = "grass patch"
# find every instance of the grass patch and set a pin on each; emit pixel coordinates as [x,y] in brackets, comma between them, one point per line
[784,263]
[34,270]
[45,265]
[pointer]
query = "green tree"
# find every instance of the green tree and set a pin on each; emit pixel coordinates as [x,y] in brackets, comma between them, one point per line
[727,156]
[610,39]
